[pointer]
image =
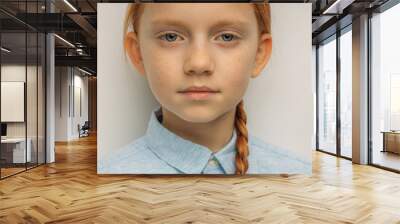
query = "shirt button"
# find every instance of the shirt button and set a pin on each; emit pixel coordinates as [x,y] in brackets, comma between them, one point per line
[213,162]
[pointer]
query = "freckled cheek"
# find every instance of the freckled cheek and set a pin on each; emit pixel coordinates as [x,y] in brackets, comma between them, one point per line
[236,78]
[163,79]
[160,84]
[236,85]
[159,60]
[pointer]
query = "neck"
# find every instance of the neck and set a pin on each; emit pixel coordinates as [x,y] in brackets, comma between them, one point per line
[213,135]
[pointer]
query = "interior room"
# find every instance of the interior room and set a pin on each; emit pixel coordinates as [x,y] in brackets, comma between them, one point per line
[50,135]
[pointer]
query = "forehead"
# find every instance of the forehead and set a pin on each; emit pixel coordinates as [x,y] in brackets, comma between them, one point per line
[198,13]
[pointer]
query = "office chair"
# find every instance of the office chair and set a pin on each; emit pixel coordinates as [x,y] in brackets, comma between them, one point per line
[84,130]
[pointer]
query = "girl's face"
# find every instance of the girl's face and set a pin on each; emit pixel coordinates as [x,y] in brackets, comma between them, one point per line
[184,45]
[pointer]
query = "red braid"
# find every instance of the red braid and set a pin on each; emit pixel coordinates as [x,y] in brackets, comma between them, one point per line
[242,149]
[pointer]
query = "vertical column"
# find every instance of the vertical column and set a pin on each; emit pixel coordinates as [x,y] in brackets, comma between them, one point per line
[315,100]
[50,92]
[338,98]
[360,90]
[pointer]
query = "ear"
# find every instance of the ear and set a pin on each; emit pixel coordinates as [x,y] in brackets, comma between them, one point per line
[133,50]
[263,54]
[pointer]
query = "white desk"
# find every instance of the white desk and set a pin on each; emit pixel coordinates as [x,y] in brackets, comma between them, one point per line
[19,149]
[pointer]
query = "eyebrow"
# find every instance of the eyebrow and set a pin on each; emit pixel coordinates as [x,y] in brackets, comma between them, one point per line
[219,24]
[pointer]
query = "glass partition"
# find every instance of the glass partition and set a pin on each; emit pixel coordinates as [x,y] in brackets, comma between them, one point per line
[327,96]
[346,93]
[22,77]
[385,89]
[13,94]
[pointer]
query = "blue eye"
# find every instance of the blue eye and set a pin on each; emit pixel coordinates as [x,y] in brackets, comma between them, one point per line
[170,37]
[228,36]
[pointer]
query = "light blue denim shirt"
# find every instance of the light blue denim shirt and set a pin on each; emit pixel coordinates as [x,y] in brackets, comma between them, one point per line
[160,151]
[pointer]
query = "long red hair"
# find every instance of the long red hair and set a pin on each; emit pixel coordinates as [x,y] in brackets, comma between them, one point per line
[262,11]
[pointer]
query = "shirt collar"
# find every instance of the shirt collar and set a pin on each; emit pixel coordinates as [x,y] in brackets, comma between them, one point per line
[184,155]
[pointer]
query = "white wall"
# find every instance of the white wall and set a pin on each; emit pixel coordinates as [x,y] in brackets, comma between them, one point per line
[61,103]
[279,104]
[67,80]
[15,73]
[80,82]
[11,73]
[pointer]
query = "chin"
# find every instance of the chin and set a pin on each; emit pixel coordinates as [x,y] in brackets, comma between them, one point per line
[198,115]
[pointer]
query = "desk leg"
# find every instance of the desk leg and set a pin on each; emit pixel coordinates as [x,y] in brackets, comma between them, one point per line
[384,142]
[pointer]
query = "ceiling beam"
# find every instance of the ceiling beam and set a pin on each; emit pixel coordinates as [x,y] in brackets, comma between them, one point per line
[83,61]
[84,24]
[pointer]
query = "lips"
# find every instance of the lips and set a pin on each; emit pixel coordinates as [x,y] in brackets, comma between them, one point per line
[198,92]
[199,89]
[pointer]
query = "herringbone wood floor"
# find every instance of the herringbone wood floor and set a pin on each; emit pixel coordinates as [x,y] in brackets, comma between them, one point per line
[70,191]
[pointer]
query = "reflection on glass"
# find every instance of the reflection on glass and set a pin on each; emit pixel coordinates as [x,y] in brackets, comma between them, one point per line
[13,85]
[395,101]
[346,93]
[22,90]
[327,96]
[386,88]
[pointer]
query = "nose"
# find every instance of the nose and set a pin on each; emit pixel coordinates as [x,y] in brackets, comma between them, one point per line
[199,60]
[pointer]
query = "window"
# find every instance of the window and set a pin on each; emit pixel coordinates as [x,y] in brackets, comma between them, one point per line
[346,93]
[327,96]
[385,88]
